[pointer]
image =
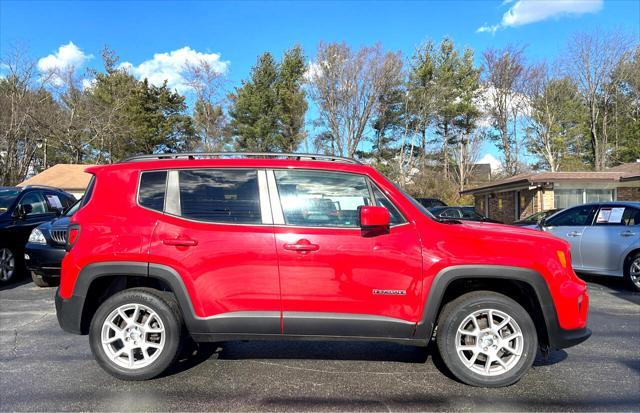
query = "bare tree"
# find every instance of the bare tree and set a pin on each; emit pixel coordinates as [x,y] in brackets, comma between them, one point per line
[504,79]
[591,60]
[208,114]
[26,110]
[346,86]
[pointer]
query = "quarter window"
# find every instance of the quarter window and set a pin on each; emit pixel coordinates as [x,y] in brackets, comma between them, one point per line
[224,196]
[321,199]
[152,190]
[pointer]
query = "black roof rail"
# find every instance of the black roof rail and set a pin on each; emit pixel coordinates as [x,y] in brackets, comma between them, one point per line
[41,187]
[209,155]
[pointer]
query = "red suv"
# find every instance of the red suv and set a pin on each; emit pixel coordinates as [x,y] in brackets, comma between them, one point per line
[223,247]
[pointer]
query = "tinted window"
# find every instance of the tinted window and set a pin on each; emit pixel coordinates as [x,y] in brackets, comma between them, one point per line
[578,216]
[382,200]
[216,195]
[470,213]
[36,200]
[89,192]
[152,188]
[7,198]
[321,199]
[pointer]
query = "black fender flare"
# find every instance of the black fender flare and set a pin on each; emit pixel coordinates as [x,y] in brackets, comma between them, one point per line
[557,337]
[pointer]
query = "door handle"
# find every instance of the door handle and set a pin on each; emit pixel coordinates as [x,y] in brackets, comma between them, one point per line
[177,242]
[302,245]
[627,234]
[574,234]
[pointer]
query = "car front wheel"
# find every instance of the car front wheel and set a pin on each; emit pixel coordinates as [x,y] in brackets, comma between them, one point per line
[136,333]
[8,265]
[486,339]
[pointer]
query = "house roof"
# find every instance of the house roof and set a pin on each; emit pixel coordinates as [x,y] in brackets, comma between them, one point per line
[69,177]
[625,172]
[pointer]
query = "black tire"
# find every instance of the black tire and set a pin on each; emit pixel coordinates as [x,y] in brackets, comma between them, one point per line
[633,281]
[42,281]
[7,277]
[165,306]
[452,317]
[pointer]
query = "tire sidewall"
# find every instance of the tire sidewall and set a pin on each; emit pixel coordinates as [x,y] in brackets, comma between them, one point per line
[627,272]
[447,334]
[169,319]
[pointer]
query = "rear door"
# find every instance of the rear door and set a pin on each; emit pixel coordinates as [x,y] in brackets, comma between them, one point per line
[216,232]
[605,244]
[336,279]
[570,225]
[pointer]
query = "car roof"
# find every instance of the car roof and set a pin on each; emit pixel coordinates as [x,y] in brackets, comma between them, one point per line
[635,204]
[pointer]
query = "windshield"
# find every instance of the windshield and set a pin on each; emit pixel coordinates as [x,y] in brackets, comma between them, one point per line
[7,196]
[535,217]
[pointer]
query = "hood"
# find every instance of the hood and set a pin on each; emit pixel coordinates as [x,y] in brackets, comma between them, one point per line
[62,221]
[509,231]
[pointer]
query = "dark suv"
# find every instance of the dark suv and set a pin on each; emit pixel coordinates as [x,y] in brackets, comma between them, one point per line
[218,249]
[21,210]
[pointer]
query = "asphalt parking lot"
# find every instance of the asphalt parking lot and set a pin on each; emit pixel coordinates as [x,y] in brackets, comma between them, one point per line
[45,369]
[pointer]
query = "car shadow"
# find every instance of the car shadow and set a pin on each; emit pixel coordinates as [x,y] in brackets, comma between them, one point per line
[15,284]
[618,286]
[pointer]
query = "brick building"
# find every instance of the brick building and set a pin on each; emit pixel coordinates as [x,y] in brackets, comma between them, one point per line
[514,198]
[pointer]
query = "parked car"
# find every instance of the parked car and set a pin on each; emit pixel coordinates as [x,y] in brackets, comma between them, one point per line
[533,220]
[430,202]
[46,247]
[216,249]
[21,210]
[462,213]
[604,238]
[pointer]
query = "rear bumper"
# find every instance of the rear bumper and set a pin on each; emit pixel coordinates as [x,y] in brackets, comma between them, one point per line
[69,313]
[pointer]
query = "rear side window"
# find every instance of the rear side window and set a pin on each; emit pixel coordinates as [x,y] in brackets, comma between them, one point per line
[220,195]
[152,190]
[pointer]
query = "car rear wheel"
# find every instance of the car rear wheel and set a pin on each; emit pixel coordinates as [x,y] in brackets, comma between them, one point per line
[136,334]
[486,339]
[43,281]
[8,265]
[632,272]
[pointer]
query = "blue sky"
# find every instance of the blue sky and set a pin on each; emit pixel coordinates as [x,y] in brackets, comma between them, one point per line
[233,34]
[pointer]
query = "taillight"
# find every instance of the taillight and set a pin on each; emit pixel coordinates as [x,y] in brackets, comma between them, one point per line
[73,233]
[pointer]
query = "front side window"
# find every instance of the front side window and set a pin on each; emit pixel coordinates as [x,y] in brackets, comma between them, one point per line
[220,195]
[321,199]
[574,217]
[36,201]
[382,200]
[151,193]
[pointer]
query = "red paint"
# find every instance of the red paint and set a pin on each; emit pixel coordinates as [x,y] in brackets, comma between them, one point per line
[273,268]
[374,216]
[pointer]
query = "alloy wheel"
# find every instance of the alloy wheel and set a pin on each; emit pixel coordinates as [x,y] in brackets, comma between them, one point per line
[634,272]
[7,264]
[133,336]
[489,342]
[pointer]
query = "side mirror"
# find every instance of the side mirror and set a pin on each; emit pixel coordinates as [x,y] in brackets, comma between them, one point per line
[374,219]
[23,210]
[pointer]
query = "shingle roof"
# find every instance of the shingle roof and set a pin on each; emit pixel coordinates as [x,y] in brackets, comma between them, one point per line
[64,176]
[624,172]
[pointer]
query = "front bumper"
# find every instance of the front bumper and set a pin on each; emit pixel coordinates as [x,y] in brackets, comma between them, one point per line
[69,313]
[560,338]
[43,259]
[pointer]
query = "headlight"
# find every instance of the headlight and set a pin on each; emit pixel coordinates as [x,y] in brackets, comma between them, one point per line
[37,237]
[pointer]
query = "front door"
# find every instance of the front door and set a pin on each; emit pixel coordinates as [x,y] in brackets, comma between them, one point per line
[217,235]
[570,225]
[335,279]
[605,244]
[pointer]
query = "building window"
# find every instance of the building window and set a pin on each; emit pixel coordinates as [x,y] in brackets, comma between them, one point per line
[565,198]
[500,204]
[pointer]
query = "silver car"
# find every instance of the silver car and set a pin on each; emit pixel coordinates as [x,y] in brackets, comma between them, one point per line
[604,238]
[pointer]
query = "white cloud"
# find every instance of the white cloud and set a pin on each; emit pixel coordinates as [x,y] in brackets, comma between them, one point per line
[530,11]
[68,56]
[171,67]
[492,161]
